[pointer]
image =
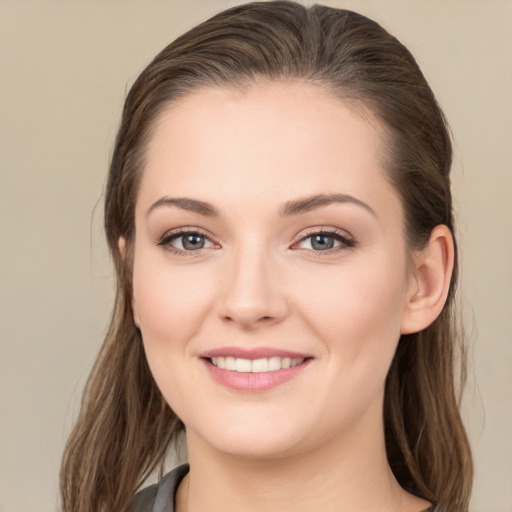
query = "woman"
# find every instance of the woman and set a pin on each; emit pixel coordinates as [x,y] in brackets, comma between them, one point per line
[279,213]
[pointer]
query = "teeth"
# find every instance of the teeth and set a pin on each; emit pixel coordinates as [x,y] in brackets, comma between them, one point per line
[266,364]
[260,365]
[274,363]
[243,365]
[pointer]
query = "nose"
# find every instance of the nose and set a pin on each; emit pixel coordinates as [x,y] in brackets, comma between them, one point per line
[253,295]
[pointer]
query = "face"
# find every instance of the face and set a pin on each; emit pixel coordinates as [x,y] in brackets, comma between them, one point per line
[270,277]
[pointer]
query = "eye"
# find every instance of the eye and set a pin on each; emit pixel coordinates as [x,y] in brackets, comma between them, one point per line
[185,241]
[324,241]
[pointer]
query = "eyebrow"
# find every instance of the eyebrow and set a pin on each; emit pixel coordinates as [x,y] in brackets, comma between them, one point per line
[185,203]
[294,207]
[311,203]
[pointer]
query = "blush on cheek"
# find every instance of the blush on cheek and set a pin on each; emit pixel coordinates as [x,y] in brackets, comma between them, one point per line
[362,314]
[170,303]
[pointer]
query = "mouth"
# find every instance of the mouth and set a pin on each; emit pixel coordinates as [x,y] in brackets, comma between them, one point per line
[254,370]
[261,365]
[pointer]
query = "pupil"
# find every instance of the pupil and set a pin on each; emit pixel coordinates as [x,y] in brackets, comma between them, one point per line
[323,242]
[193,242]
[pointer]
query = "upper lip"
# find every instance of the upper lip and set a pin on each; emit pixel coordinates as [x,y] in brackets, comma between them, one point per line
[252,353]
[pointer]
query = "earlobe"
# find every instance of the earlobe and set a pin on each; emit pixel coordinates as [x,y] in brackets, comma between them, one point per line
[433,267]
[121,244]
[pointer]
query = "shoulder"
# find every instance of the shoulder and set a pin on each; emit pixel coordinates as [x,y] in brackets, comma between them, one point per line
[159,497]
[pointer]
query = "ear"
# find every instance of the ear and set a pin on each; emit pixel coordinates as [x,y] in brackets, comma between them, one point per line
[430,283]
[121,244]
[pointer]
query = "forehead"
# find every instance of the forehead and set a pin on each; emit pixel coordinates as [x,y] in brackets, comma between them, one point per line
[265,108]
[277,139]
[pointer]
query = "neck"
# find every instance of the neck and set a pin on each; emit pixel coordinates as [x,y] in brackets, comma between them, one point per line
[346,474]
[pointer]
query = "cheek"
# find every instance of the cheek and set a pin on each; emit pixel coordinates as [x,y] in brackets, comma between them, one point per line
[358,312]
[357,316]
[169,304]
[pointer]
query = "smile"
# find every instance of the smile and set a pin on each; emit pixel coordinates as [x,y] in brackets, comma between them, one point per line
[265,364]
[254,370]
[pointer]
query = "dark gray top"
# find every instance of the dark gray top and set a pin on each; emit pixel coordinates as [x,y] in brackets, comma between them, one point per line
[160,497]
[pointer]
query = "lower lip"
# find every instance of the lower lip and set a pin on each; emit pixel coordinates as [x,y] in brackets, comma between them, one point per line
[254,382]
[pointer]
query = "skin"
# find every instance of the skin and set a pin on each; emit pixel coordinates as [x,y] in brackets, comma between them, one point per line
[315,442]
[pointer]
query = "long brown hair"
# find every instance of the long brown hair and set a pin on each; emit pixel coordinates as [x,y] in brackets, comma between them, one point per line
[125,426]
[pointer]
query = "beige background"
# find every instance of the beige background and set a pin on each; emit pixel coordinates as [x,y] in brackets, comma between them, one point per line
[64,69]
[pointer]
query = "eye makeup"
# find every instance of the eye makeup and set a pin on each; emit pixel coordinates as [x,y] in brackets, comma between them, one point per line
[192,241]
[186,241]
[326,240]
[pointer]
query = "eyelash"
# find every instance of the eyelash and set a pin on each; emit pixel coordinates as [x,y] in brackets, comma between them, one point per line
[167,238]
[346,242]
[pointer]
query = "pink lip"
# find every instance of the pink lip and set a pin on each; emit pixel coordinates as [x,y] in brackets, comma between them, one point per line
[252,353]
[253,382]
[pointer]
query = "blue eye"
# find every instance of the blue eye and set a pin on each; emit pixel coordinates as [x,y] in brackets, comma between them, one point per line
[185,241]
[322,242]
[191,242]
[325,241]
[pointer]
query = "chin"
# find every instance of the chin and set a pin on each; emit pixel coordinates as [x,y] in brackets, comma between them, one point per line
[250,442]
